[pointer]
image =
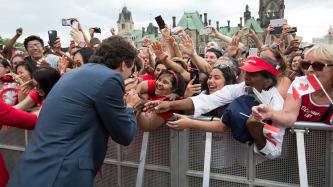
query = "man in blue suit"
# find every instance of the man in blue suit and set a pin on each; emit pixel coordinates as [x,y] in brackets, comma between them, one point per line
[82,110]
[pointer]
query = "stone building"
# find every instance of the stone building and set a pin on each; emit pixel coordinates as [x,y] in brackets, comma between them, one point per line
[193,22]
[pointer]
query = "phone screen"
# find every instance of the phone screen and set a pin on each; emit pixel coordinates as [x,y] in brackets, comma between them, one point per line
[160,22]
[195,74]
[52,37]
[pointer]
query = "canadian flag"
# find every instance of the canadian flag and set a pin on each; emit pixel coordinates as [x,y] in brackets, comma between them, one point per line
[304,85]
[270,132]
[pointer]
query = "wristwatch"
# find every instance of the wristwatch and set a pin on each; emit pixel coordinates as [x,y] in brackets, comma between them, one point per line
[81,44]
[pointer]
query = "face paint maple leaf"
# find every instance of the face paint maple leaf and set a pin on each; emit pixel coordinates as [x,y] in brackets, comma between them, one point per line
[303,87]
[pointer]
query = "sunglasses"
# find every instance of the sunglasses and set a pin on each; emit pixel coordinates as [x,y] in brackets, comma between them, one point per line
[221,66]
[317,66]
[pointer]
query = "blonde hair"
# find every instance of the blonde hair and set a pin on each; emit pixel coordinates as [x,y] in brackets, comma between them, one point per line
[322,52]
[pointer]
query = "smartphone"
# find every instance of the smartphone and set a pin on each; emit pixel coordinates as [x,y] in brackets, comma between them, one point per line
[205,31]
[277,24]
[160,22]
[253,52]
[66,22]
[173,118]
[195,74]
[52,36]
[293,30]
[97,30]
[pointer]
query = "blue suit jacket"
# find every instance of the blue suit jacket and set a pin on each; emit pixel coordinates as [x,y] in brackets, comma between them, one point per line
[69,144]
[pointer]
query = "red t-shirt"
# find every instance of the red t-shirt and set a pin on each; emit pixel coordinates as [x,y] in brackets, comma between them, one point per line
[33,94]
[147,77]
[151,90]
[310,111]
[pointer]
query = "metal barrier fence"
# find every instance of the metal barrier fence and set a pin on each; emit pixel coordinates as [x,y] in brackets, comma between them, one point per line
[170,158]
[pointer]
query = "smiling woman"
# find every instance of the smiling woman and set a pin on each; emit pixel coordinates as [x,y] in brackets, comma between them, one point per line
[168,86]
[314,106]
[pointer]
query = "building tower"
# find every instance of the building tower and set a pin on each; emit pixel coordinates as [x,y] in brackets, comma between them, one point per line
[125,23]
[270,9]
[247,13]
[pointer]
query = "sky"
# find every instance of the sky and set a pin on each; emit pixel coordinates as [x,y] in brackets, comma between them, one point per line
[313,18]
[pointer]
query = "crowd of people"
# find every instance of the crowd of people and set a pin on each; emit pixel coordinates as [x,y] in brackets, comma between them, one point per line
[76,97]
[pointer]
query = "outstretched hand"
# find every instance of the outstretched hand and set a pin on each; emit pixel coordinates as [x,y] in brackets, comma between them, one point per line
[186,44]
[157,106]
[157,49]
[261,112]
[181,123]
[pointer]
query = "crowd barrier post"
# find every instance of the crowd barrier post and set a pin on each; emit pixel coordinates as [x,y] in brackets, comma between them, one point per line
[303,176]
[142,161]
[207,161]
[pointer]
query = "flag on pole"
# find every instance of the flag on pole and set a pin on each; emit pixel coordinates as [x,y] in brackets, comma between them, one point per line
[304,85]
[270,132]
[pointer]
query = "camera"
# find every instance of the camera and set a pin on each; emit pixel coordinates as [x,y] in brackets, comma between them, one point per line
[67,22]
[277,24]
[205,31]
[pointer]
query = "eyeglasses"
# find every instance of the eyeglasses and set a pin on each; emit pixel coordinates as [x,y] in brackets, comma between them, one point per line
[36,45]
[317,66]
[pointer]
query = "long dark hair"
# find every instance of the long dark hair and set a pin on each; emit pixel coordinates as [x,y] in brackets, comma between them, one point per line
[46,78]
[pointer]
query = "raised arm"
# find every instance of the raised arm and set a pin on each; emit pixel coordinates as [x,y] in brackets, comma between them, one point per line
[9,45]
[227,39]
[163,56]
[187,47]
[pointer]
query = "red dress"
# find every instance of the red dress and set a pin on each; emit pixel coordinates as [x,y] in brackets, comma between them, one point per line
[16,118]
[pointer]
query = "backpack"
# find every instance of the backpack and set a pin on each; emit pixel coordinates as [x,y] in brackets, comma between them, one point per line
[236,121]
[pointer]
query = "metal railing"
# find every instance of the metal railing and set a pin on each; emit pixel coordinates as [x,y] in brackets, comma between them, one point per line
[193,158]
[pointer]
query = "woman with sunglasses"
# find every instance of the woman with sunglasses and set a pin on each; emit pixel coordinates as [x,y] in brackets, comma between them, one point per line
[312,107]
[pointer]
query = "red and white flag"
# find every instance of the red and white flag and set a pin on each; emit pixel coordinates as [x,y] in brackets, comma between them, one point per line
[270,132]
[304,85]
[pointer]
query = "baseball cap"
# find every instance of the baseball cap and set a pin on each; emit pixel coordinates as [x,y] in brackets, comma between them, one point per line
[255,64]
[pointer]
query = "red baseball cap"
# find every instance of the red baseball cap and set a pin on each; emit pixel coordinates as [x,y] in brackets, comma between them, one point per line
[255,64]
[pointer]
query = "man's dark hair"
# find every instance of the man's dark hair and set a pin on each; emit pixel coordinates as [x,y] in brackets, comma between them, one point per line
[217,52]
[31,38]
[268,75]
[113,51]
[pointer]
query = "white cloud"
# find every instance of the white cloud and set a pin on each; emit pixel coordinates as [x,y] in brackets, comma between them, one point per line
[37,16]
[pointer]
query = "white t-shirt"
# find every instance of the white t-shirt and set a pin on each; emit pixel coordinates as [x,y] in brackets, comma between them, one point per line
[206,103]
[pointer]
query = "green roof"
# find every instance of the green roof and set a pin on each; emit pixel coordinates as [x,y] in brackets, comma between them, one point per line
[228,32]
[191,20]
[137,34]
[250,23]
[254,25]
